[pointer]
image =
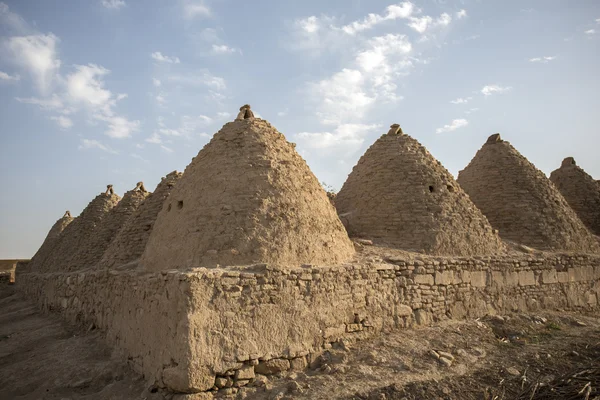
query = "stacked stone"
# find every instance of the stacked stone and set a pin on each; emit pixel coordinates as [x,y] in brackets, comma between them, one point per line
[91,251]
[581,191]
[246,198]
[400,195]
[521,202]
[77,233]
[131,240]
[51,240]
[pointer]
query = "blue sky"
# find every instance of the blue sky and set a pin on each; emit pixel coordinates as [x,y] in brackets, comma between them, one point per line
[117,91]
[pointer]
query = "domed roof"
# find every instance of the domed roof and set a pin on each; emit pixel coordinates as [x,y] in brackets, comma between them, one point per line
[400,195]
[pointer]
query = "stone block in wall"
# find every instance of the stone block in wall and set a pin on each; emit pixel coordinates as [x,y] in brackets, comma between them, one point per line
[526,278]
[511,278]
[403,310]
[592,299]
[478,278]
[444,278]
[498,279]
[424,279]
[422,317]
[549,276]
[563,276]
[580,274]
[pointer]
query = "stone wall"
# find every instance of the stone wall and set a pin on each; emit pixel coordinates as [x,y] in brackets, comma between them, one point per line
[184,329]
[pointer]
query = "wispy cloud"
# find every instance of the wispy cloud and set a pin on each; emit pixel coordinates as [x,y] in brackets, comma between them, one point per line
[590,31]
[37,55]
[461,14]
[113,4]
[158,56]
[154,138]
[543,60]
[489,90]
[346,135]
[62,121]
[402,10]
[200,78]
[4,77]
[461,100]
[454,125]
[156,82]
[94,144]
[195,8]
[471,111]
[223,49]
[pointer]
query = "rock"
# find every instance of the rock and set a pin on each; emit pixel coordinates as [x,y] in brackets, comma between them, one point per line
[434,354]
[446,355]
[294,387]
[260,381]
[446,361]
[326,369]
[180,379]
[270,367]
[364,242]
[298,364]
[241,382]
[246,372]
[221,382]
[579,323]
[194,396]
[479,352]
[513,371]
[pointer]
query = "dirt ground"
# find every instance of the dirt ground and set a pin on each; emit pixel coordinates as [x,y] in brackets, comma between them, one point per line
[546,355]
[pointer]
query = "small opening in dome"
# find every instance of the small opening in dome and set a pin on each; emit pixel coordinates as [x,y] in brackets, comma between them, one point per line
[450,188]
[180,204]
[431,189]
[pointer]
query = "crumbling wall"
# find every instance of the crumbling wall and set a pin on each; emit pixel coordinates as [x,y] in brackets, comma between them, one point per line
[80,231]
[185,329]
[581,191]
[51,240]
[400,195]
[91,250]
[131,240]
[521,202]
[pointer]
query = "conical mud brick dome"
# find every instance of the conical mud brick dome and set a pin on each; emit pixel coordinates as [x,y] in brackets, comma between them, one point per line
[521,202]
[400,195]
[131,240]
[50,241]
[246,198]
[581,191]
[91,251]
[80,231]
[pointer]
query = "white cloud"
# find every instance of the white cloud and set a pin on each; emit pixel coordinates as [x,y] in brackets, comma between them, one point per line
[401,10]
[472,110]
[158,56]
[489,90]
[156,82]
[37,55]
[119,127]
[345,135]
[461,14]
[135,155]
[461,100]
[155,138]
[113,4]
[223,114]
[4,77]
[11,20]
[62,121]
[283,113]
[420,24]
[165,148]
[342,97]
[195,8]
[202,78]
[160,99]
[590,31]
[223,49]
[315,34]
[454,125]
[542,60]
[85,86]
[94,144]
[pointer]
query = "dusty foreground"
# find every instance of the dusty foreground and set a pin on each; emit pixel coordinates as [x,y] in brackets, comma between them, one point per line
[533,356]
